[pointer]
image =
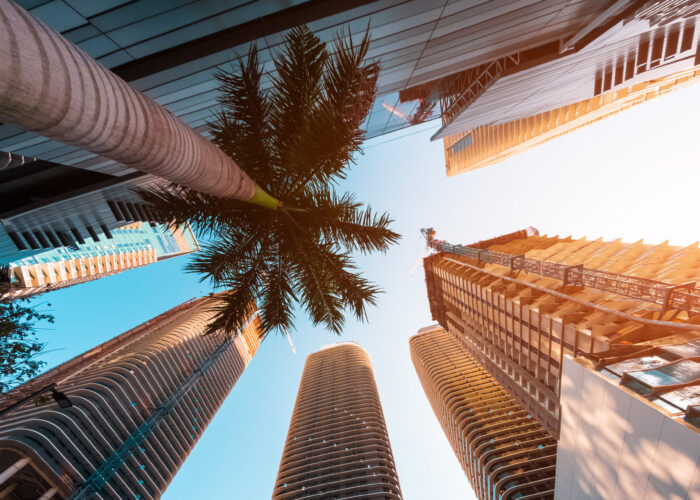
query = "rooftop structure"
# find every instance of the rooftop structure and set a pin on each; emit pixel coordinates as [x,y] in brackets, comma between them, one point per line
[489,144]
[130,410]
[505,453]
[337,445]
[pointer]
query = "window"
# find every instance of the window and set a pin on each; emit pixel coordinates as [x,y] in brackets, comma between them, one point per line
[29,239]
[461,144]
[92,233]
[41,239]
[52,238]
[115,211]
[17,240]
[106,231]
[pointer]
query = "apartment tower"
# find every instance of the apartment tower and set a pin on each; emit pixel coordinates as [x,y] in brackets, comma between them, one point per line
[56,260]
[505,453]
[588,336]
[130,410]
[489,144]
[337,445]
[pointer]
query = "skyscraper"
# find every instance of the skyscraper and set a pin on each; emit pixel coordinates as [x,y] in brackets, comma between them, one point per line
[517,299]
[338,444]
[489,144]
[169,51]
[626,44]
[504,452]
[597,340]
[139,403]
[76,259]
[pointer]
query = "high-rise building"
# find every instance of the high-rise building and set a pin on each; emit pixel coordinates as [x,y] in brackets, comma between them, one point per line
[76,258]
[338,444]
[130,410]
[63,225]
[522,97]
[490,144]
[504,452]
[597,340]
[522,301]
[170,51]
[626,44]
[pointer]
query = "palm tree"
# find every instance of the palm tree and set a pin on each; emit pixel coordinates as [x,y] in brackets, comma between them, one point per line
[296,139]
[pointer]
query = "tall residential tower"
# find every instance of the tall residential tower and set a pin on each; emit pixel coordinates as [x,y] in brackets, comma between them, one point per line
[99,253]
[337,445]
[505,453]
[138,405]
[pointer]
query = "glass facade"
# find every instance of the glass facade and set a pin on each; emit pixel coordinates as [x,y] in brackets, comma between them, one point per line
[131,238]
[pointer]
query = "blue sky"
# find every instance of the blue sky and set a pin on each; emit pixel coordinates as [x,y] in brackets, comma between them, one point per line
[633,176]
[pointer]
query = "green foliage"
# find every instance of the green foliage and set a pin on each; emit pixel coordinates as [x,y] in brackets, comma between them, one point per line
[18,343]
[296,139]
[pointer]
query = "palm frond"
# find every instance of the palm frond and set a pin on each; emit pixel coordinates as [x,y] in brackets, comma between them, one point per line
[296,139]
[349,223]
[232,310]
[174,204]
[350,85]
[242,127]
[278,298]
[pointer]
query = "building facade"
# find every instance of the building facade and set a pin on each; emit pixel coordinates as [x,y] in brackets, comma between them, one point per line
[490,144]
[505,453]
[139,402]
[597,340]
[626,44]
[76,259]
[624,432]
[523,301]
[337,445]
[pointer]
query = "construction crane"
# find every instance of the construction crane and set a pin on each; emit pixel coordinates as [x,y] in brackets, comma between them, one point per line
[682,297]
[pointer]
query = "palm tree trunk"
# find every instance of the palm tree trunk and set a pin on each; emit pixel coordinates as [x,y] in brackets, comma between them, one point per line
[49,86]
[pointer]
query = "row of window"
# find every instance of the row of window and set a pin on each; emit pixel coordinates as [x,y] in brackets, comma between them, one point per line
[38,239]
[132,212]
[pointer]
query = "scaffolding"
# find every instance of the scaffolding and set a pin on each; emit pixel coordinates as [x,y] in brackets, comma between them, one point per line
[682,297]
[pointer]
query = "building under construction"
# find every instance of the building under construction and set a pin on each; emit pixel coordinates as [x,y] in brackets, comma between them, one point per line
[504,452]
[624,316]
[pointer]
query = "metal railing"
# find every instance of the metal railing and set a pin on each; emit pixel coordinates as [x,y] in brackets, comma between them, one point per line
[683,297]
[470,84]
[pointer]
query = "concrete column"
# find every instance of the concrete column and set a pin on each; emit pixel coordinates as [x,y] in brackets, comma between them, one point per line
[49,494]
[10,471]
